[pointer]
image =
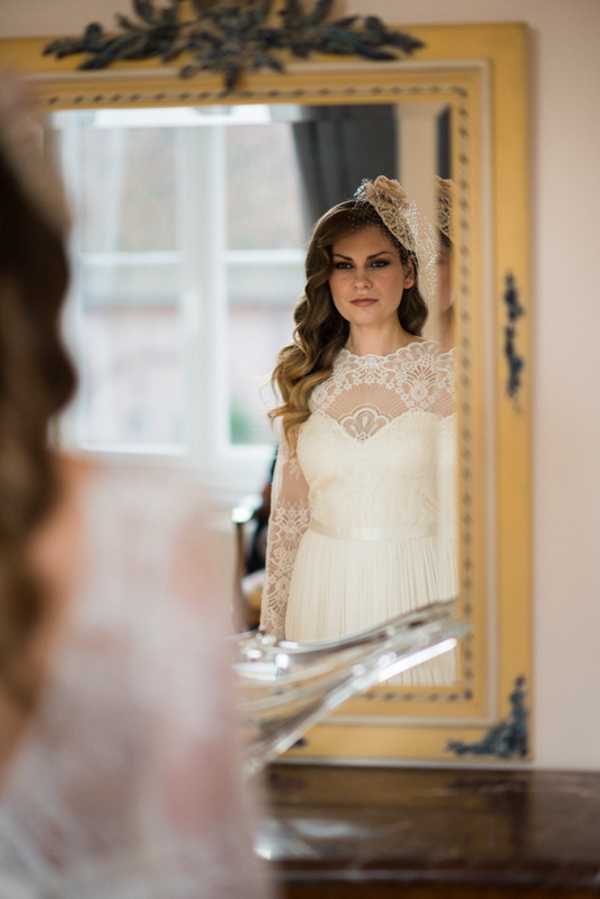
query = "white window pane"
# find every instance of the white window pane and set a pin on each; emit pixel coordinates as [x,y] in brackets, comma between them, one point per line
[101,283]
[187,261]
[127,189]
[263,190]
[256,334]
[263,289]
[124,319]
[265,268]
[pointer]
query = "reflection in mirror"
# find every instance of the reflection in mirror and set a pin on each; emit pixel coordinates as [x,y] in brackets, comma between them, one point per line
[285,688]
[356,534]
[188,260]
[171,218]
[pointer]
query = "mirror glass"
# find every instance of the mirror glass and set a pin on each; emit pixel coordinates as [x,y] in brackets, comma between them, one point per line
[188,255]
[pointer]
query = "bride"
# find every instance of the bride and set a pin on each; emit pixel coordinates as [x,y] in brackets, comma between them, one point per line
[361,525]
[118,753]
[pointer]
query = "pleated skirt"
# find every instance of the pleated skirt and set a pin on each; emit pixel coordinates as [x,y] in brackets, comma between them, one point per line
[342,587]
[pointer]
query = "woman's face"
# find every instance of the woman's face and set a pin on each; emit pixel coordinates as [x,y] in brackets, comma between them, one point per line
[368,278]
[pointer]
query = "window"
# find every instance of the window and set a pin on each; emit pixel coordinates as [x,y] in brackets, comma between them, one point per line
[187,261]
[264,258]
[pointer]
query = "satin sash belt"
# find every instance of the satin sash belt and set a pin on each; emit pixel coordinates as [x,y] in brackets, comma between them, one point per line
[371,533]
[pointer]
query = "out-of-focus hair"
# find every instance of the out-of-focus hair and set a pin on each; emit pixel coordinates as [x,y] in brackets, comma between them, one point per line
[37,379]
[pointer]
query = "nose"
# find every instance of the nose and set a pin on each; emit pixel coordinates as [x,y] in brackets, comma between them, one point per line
[361,279]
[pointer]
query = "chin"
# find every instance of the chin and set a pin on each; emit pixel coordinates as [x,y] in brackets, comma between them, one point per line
[364,316]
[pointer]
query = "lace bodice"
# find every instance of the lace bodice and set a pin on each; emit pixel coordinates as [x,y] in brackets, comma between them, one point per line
[128,783]
[367,459]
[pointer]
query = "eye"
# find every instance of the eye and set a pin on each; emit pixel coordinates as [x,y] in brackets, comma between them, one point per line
[342,266]
[380,263]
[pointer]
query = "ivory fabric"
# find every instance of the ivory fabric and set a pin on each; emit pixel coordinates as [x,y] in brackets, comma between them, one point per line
[128,783]
[362,525]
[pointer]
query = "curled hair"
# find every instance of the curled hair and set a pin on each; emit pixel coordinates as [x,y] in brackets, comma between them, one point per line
[36,381]
[320,331]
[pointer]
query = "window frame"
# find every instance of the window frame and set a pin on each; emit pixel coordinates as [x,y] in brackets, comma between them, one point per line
[204,261]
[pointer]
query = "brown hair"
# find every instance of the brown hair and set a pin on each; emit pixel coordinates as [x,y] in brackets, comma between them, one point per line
[321,331]
[36,381]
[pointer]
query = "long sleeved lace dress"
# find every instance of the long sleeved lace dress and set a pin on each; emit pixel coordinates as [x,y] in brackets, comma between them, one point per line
[362,521]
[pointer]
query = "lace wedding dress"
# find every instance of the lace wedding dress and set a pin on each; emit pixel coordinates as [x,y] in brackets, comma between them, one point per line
[128,782]
[362,523]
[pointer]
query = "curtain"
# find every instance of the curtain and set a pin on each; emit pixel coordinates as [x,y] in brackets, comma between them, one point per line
[338,146]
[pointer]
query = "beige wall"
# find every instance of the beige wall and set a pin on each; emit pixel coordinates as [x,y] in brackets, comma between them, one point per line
[565,168]
[566,205]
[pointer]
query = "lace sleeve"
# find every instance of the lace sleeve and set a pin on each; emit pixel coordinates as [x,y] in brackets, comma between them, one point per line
[289,519]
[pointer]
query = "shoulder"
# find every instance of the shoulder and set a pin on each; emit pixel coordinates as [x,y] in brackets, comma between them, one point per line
[138,521]
[429,356]
[423,376]
[129,485]
[151,538]
[426,348]
[151,492]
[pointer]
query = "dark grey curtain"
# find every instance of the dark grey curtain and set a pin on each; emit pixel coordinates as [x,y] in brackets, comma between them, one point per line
[338,146]
[444,148]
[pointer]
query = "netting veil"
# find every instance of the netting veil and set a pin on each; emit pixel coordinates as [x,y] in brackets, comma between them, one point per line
[409,226]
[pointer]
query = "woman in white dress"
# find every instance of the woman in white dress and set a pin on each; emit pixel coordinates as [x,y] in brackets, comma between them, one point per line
[361,526]
[119,763]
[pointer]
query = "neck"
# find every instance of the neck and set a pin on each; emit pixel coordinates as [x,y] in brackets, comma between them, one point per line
[364,341]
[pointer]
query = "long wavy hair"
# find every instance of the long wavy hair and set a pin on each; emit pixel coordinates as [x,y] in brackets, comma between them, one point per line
[320,331]
[36,381]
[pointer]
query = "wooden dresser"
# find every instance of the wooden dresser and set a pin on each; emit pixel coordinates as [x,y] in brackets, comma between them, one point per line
[372,832]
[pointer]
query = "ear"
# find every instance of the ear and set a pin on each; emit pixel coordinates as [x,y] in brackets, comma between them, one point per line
[409,274]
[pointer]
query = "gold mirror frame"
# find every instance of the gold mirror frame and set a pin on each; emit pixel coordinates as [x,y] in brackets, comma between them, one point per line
[481,72]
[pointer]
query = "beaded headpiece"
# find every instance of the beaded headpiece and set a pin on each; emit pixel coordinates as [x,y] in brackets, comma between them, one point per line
[402,219]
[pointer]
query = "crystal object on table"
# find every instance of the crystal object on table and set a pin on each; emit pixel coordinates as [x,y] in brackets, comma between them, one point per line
[285,688]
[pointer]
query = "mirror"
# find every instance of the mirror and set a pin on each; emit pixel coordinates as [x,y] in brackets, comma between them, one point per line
[194,213]
[284,688]
[131,241]
[189,265]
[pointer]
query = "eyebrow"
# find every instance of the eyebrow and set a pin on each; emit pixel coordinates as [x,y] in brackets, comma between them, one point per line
[372,256]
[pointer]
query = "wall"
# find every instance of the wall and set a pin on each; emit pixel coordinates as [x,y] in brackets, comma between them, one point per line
[565,82]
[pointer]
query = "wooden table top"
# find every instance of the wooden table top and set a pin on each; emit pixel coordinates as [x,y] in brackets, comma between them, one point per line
[433,826]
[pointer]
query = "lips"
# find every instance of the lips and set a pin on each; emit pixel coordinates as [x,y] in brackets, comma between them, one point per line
[363,302]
